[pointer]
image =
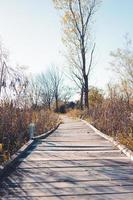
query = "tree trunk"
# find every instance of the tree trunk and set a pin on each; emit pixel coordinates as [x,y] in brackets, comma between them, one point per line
[86,92]
[49,105]
[1,77]
[56,104]
[81,98]
[85,77]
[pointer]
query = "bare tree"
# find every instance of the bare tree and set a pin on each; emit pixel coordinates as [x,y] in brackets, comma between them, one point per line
[3,67]
[75,66]
[34,92]
[77,19]
[122,64]
[49,87]
[66,94]
[47,90]
[123,61]
[13,81]
[57,81]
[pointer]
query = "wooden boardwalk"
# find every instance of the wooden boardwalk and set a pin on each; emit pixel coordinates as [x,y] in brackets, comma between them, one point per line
[73,163]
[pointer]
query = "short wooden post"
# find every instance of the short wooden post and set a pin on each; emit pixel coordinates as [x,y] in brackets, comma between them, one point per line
[31,130]
[1,147]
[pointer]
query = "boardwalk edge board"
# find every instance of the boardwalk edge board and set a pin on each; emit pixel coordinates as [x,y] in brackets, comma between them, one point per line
[122,148]
[44,135]
[4,169]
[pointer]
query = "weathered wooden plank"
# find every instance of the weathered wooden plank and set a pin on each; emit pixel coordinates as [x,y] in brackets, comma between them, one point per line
[85,183]
[117,196]
[72,176]
[51,192]
[74,163]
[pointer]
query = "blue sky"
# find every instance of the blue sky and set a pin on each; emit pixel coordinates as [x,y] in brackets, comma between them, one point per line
[31,30]
[114,19]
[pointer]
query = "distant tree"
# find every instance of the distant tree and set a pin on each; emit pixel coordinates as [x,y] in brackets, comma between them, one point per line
[71,105]
[66,94]
[126,91]
[47,89]
[13,81]
[122,62]
[56,78]
[34,92]
[3,67]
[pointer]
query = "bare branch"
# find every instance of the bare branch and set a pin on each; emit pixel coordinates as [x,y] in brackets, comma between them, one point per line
[91,59]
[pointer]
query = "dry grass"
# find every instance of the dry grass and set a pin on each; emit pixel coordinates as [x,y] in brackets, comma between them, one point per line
[45,120]
[14,125]
[82,114]
[112,117]
[75,113]
[126,140]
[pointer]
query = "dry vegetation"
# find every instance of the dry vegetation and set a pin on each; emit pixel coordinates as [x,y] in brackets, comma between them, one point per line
[14,125]
[111,115]
[22,102]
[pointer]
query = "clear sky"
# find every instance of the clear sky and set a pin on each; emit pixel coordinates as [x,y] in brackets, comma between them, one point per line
[31,30]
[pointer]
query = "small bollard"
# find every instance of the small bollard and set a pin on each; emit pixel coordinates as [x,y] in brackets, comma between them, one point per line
[6,156]
[31,130]
[1,147]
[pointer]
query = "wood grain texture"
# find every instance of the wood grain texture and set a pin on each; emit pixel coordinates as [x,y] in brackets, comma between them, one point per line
[72,163]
